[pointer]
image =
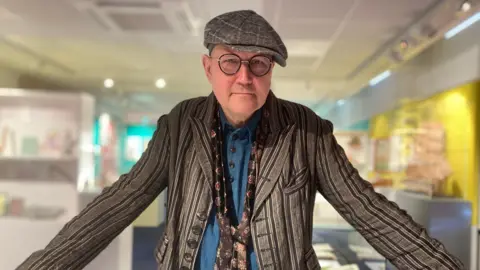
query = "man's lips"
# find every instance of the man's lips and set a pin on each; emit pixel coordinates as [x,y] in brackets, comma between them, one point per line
[243,94]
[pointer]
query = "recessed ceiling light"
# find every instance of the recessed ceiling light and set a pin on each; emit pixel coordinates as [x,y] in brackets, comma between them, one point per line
[160,83]
[466,6]
[108,83]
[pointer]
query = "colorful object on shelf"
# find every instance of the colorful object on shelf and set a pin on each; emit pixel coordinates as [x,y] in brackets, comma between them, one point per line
[3,204]
[16,207]
[429,168]
[382,183]
[8,145]
[30,146]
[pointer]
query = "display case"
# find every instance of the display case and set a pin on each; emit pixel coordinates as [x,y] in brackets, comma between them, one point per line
[46,157]
[445,219]
[338,245]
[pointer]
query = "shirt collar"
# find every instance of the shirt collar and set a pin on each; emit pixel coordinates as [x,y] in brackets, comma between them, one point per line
[250,126]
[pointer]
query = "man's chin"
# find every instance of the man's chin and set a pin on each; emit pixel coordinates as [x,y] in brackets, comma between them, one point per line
[243,112]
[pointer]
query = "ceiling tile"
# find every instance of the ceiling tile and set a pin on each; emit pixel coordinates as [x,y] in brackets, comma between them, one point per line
[306,30]
[324,9]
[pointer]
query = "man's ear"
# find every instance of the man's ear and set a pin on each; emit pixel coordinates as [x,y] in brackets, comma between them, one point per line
[207,66]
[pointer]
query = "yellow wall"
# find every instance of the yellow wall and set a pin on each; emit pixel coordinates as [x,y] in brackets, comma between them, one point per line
[457,110]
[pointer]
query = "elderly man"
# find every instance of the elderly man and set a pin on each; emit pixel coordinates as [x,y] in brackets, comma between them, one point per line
[243,169]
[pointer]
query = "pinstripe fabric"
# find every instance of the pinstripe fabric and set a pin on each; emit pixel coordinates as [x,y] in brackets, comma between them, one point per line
[301,157]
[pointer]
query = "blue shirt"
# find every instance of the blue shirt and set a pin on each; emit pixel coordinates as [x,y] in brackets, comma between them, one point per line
[236,155]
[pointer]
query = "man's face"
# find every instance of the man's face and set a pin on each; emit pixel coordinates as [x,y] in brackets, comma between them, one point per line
[242,93]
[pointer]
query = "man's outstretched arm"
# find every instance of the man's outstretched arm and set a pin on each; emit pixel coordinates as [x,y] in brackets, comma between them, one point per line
[390,230]
[94,228]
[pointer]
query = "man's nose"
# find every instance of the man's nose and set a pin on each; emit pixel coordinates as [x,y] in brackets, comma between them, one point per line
[244,74]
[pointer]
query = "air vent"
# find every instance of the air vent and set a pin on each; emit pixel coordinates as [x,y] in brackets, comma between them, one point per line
[141,22]
[154,4]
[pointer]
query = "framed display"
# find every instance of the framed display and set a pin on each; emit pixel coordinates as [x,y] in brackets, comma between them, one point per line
[356,147]
[381,155]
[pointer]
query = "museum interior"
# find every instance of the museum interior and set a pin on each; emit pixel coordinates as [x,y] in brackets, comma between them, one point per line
[399,80]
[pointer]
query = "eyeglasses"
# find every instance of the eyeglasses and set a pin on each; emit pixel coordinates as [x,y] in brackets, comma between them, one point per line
[230,64]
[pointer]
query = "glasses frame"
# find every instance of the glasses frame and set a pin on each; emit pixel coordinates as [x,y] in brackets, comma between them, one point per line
[247,62]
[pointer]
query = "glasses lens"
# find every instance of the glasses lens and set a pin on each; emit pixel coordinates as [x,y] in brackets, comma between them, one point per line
[230,63]
[260,65]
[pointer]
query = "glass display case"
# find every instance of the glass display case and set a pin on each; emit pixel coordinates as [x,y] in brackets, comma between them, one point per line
[46,161]
[338,245]
[44,157]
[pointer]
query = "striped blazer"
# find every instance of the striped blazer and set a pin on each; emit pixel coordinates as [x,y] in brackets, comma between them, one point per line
[301,158]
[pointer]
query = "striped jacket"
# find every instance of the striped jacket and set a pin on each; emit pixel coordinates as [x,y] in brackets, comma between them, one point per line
[301,158]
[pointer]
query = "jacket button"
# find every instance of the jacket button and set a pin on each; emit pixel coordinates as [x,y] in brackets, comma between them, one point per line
[197,230]
[202,216]
[188,257]
[192,243]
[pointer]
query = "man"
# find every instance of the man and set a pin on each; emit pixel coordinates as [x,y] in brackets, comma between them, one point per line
[243,169]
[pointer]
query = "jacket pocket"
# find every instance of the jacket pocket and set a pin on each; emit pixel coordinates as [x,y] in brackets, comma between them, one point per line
[298,181]
[161,250]
[311,261]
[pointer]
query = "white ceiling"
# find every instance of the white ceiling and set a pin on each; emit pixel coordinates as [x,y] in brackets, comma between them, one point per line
[335,46]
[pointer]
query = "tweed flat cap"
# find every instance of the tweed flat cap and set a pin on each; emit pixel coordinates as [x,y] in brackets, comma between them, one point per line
[245,30]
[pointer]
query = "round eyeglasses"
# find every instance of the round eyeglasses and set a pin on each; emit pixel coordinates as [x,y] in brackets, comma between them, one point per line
[230,64]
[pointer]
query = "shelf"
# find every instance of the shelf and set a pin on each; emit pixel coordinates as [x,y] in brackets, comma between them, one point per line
[35,159]
[39,169]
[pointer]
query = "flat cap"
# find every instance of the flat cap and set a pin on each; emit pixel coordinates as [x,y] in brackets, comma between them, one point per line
[245,30]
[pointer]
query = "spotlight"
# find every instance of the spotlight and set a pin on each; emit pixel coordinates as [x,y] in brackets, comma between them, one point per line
[466,6]
[160,83]
[108,83]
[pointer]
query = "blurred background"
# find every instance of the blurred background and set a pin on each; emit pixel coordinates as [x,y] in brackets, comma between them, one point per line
[83,82]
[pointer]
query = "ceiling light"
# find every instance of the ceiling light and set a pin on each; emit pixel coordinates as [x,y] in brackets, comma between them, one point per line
[382,76]
[160,83]
[404,44]
[466,6]
[463,25]
[108,83]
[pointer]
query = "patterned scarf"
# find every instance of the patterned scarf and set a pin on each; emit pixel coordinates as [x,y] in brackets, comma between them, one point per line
[232,249]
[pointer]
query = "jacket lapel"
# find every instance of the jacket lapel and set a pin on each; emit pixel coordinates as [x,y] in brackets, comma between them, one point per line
[201,125]
[271,164]
[275,152]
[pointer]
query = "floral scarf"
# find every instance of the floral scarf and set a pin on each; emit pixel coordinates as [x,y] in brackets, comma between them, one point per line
[232,248]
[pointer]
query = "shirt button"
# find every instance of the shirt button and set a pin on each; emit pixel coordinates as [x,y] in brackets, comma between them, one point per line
[231,165]
[230,179]
[233,149]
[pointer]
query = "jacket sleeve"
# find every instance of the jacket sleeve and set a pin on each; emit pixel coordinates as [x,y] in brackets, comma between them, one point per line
[92,230]
[390,230]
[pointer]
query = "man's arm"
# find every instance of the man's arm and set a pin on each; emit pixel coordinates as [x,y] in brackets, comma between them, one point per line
[390,230]
[91,231]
